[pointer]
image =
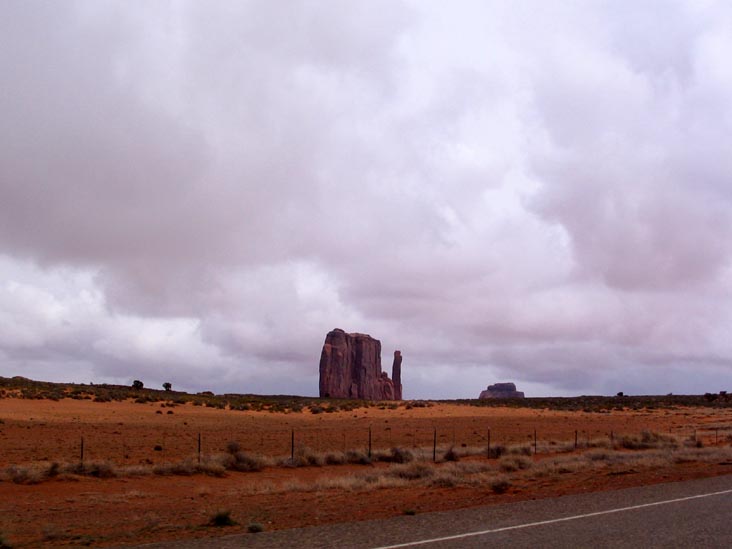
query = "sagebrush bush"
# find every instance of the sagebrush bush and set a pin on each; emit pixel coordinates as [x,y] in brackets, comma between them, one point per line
[247,462]
[212,468]
[509,464]
[411,471]
[444,480]
[22,475]
[184,468]
[222,518]
[496,451]
[304,457]
[358,458]
[397,455]
[101,469]
[520,450]
[647,441]
[451,455]
[597,455]
[500,485]
[335,458]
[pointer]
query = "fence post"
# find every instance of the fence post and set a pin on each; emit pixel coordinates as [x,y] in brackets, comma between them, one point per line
[81,453]
[534,441]
[489,444]
[716,436]
[369,441]
[199,448]
[575,439]
[434,446]
[292,446]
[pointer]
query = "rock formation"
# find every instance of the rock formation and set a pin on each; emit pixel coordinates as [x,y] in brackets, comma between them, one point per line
[350,367]
[396,375]
[501,390]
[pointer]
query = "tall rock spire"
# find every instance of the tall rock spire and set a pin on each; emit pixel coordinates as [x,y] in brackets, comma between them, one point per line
[396,375]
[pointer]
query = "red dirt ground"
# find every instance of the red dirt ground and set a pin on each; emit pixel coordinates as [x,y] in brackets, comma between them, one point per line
[81,510]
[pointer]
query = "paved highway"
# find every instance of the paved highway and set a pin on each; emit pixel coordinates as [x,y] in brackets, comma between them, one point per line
[684,514]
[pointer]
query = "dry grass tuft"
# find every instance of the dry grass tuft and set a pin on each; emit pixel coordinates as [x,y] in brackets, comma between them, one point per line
[411,471]
[509,464]
[500,484]
[647,440]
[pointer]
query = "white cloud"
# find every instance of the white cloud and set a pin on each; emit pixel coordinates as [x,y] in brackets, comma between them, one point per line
[529,191]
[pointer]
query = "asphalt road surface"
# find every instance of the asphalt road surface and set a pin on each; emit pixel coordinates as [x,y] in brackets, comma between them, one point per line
[681,514]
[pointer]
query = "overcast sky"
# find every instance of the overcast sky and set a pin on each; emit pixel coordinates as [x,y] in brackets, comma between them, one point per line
[528,191]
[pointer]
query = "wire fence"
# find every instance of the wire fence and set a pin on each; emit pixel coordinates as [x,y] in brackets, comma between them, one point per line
[125,448]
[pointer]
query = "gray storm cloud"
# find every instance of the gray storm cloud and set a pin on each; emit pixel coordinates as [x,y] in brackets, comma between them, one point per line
[537,192]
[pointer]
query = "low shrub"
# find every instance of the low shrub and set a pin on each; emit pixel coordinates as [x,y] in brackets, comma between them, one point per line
[500,485]
[222,518]
[100,469]
[451,455]
[305,457]
[247,462]
[444,479]
[520,450]
[23,475]
[397,455]
[411,471]
[335,458]
[510,464]
[212,468]
[233,447]
[255,528]
[358,458]
[647,441]
[496,451]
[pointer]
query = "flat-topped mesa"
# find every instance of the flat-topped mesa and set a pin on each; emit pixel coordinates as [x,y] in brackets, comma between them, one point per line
[501,390]
[350,367]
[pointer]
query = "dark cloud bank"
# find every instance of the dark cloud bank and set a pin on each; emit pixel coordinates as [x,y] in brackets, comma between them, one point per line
[526,191]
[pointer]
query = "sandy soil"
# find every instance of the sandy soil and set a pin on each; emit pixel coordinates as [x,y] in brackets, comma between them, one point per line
[80,510]
[127,433]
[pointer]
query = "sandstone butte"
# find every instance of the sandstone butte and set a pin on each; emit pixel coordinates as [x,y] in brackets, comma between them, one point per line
[350,367]
[501,390]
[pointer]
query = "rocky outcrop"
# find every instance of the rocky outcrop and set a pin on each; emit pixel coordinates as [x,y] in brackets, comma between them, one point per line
[350,367]
[501,390]
[396,375]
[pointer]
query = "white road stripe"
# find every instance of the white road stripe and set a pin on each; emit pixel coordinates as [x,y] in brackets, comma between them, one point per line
[552,521]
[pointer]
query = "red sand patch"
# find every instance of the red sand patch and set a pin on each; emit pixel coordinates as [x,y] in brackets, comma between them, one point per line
[135,510]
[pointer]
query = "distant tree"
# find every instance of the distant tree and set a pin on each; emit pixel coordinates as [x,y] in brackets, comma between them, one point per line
[620,394]
[167,386]
[137,384]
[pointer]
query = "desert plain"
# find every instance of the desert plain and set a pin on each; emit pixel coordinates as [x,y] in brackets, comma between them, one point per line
[79,472]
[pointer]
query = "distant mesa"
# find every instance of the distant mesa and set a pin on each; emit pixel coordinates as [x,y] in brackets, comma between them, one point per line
[350,367]
[501,390]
